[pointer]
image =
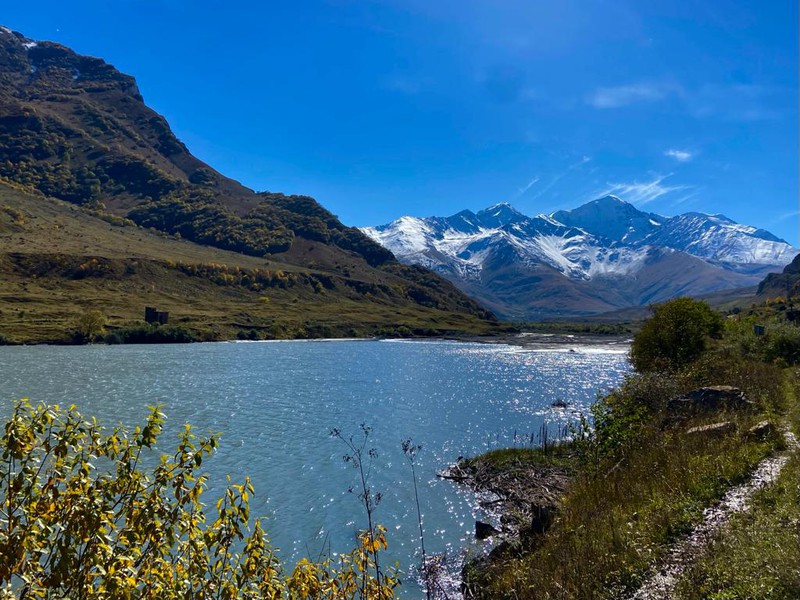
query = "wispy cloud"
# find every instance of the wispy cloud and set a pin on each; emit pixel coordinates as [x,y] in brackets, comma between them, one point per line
[740,102]
[679,155]
[625,95]
[644,192]
[521,191]
[559,176]
[685,197]
[788,215]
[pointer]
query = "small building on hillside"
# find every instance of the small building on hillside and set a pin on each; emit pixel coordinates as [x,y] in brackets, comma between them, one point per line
[155,316]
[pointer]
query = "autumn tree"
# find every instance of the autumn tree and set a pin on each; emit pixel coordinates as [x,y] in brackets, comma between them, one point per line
[90,326]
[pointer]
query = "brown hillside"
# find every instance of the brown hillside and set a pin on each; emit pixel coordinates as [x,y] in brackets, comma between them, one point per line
[74,128]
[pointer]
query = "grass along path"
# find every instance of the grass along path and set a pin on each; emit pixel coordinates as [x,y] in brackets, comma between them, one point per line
[660,584]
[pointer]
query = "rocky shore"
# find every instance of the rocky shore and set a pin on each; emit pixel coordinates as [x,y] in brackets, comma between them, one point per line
[519,489]
[522,490]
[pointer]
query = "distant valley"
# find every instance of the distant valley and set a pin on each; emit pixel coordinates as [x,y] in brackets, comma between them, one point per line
[603,256]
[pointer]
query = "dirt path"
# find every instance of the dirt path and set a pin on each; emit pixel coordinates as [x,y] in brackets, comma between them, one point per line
[660,583]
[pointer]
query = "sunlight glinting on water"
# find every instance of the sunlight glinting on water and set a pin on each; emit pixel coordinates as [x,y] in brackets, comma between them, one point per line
[274,405]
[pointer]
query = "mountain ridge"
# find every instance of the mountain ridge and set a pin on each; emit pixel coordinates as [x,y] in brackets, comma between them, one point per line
[611,254]
[75,129]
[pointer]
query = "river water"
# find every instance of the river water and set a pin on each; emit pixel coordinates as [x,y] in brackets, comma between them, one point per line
[276,402]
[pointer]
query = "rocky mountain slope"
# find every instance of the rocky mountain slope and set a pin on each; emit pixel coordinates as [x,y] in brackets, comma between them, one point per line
[785,284]
[599,257]
[74,128]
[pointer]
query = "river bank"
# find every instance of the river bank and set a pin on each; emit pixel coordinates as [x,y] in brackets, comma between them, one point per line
[544,503]
[537,340]
[664,447]
[172,335]
[519,489]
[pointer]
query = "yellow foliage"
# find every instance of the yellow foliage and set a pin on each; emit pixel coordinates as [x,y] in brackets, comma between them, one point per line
[69,530]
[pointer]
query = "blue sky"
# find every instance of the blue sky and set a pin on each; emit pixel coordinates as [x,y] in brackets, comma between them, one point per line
[427,107]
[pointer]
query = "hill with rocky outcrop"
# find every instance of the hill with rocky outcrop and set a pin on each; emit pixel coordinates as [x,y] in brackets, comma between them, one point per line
[785,283]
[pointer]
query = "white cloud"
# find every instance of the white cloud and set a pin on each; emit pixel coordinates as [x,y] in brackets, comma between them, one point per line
[625,95]
[739,102]
[644,192]
[679,155]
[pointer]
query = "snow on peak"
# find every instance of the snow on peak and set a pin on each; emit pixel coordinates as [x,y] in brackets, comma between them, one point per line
[610,200]
[500,214]
[603,238]
[718,239]
[406,235]
[611,218]
[549,219]
[610,253]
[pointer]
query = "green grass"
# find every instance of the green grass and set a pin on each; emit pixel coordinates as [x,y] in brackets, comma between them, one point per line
[758,557]
[616,522]
[502,459]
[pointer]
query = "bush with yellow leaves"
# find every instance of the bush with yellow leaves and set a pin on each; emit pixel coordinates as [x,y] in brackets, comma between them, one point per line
[80,518]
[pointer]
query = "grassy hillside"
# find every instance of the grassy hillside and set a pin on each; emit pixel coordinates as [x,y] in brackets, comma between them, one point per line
[59,261]
[75,129]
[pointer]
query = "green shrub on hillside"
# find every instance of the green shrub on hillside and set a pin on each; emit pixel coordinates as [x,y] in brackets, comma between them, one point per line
[151,334]
[779,344]
[782,343]
[675,335]
[197,216]
[622,417]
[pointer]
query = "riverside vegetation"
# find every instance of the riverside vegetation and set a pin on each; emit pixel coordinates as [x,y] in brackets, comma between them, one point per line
[640,481]
[80,517]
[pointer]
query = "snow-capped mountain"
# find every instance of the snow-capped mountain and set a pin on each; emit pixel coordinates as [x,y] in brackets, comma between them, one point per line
[599,257]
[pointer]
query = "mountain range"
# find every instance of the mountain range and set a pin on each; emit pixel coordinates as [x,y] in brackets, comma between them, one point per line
[76,134]
[600,257]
